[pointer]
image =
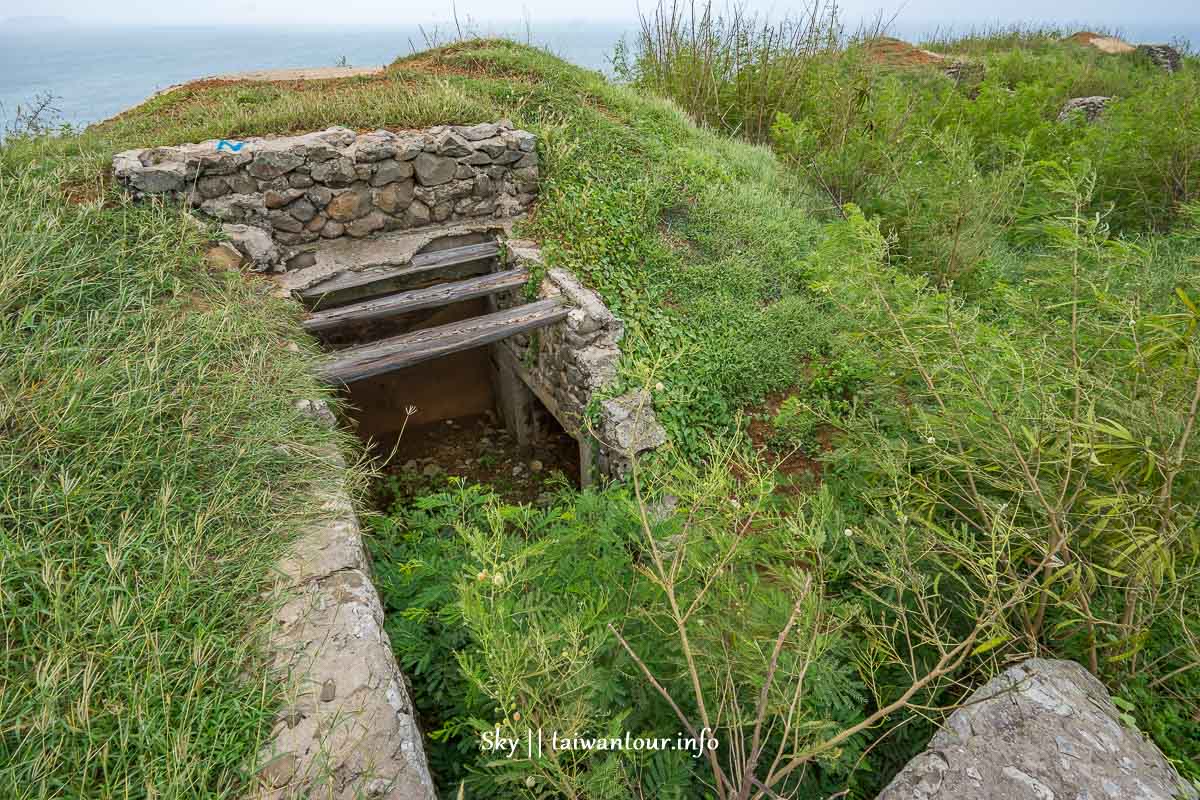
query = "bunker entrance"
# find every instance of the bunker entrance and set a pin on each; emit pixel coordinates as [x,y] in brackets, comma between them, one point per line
[414,353]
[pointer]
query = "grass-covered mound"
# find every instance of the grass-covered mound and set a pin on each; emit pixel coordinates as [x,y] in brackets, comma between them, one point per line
[152,468]
[1008,462]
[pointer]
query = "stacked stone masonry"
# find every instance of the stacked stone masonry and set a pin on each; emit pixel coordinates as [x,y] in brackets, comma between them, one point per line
[569,364]
[336,182]
[1162,55]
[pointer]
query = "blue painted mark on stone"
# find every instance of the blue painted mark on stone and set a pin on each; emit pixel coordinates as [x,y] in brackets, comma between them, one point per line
[230,146]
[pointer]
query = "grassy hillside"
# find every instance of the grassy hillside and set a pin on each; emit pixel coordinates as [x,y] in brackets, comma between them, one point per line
[152,464]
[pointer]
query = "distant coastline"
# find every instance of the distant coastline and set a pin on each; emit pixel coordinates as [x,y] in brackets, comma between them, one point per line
[96,71]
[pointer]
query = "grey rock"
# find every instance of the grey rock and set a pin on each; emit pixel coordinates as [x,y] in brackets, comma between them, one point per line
[372,147]
[434,170]
[269,164]
[317,410]
[474,133]
[298,180]
[302,210]
[335,172]
[240,183]
[1041,730]
[417,213]
[394,197]
[282,221]
[391,171]
[492,148]
[254,243]
[629,425]
[526,179]
[210,187]
[235,207]
[278,184]
[332,230]
[365,225]
[409,147]
[319,196]
[450,144]
[160,178]
[526,141]
[302,260]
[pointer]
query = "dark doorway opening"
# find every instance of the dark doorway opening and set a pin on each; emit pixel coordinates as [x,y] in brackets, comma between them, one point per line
[455,429]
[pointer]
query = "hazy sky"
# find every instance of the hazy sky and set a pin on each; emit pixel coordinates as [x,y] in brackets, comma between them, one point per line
[401,12]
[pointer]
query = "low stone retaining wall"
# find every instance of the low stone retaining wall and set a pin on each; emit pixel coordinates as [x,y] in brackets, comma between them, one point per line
[569,363]
[336,182]
[347,729]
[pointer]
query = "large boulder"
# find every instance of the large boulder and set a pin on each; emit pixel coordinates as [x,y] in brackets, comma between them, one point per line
[1042,730]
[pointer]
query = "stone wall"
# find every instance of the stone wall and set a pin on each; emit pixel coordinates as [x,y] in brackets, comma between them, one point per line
[347,729]
[334,183]
[1090,107]
[1162,55]
[569,363]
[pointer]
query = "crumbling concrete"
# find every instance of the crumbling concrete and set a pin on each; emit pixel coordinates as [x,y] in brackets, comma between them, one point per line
[1042,730]
[347,729]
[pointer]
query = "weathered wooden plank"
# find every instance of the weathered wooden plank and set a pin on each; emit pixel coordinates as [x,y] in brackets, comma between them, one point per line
[442,294]
[421,267]
[398,352]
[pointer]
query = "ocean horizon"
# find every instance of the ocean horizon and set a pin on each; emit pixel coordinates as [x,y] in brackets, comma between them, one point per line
[96,71]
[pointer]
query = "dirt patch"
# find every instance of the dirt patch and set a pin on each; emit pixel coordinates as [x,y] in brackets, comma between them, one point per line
[478,449]
[893,52]
[798,469]
[1105,44]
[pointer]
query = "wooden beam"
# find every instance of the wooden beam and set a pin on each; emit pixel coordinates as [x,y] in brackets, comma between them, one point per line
[421,267]
[398,352]
[442,294]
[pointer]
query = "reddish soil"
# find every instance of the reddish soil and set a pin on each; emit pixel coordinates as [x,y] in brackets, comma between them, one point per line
[478,449]
[897,53]
[1105,44]
[799,472]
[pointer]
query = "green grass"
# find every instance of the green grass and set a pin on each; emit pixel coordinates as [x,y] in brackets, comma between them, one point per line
[152,468]
[152,464]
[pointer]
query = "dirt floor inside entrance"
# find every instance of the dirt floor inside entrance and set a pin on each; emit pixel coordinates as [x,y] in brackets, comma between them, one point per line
[478,448]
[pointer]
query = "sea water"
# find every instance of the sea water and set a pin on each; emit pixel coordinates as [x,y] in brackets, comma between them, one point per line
[94,72]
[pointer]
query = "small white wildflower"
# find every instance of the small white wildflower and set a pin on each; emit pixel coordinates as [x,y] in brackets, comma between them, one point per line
[498,579]
[658,387]
[735,502]
[930,440]
[849,531]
